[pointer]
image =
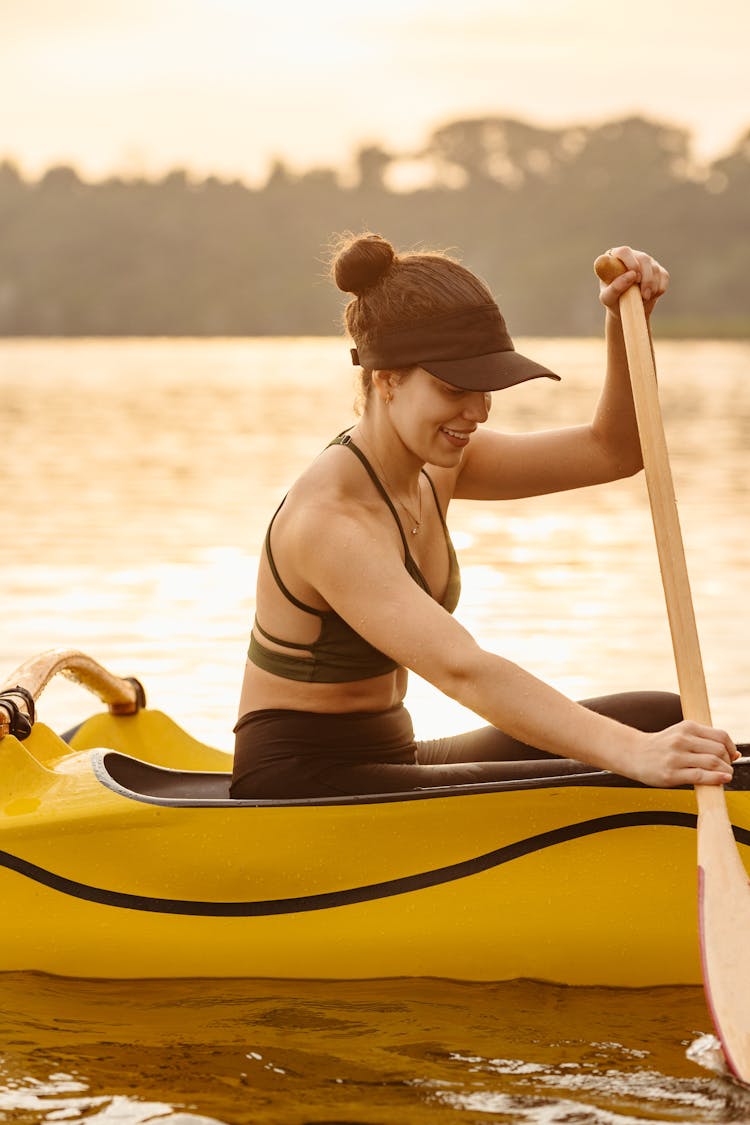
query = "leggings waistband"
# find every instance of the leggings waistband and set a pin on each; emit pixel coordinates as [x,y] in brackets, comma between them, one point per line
[283,753]
[358,733]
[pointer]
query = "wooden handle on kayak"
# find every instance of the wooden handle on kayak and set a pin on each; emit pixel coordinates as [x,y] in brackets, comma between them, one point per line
[724,892]
[122,696]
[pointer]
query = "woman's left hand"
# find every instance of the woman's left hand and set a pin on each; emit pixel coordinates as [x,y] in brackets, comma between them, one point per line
[642,270]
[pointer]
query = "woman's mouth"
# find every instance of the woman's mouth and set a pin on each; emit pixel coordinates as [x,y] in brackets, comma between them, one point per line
[456,437]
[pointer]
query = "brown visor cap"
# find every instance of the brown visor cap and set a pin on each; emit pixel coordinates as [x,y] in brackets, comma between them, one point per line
[471,349]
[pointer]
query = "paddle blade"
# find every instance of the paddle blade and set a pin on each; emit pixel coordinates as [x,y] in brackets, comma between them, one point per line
[724,920]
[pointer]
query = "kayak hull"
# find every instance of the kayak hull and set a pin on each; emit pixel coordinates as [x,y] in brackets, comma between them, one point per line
[121,855]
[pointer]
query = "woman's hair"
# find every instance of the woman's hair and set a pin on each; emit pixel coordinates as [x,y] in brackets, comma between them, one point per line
[394,290]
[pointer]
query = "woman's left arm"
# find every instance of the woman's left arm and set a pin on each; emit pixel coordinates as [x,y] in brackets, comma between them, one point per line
[507,466]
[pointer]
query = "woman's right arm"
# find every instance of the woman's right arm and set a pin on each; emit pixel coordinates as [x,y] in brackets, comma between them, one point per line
[360,573]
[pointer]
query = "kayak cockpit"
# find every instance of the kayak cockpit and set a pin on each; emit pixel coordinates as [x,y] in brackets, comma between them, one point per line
[154,784]
[162,785]
[145,781]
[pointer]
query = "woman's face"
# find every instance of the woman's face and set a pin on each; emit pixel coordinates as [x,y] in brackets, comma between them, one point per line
[435,419]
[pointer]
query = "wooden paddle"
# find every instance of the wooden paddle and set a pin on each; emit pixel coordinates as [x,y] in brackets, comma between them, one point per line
[723,887]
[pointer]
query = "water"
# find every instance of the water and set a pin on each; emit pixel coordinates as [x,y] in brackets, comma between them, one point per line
[388,1052]
[138,478]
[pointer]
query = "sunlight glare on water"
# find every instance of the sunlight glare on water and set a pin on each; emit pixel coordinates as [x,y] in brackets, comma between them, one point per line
[138,479]
[140,476]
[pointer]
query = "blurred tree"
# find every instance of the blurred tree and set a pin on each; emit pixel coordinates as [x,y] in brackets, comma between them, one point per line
[61,179]
[10,179]
[528,208]
[279,177]
[500,150]
[372,165]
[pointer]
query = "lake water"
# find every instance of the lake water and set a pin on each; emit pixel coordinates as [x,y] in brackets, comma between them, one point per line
[138,478]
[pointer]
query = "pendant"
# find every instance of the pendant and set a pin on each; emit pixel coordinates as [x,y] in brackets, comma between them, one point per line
[414,530]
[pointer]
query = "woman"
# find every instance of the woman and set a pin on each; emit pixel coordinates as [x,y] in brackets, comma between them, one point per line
[359,579]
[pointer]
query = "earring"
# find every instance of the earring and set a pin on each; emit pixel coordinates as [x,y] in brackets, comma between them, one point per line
[388,399]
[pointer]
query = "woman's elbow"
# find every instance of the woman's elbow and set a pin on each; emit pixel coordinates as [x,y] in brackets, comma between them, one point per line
[616,456]
[628,466]
[621,463]
[462,672]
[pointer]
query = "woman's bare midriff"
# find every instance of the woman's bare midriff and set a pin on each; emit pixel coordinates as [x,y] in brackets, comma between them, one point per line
[261,690]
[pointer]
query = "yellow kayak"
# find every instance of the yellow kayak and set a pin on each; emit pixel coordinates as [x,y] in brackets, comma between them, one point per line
[122,855]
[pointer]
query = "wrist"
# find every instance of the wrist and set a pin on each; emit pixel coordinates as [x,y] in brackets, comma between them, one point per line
[625,750]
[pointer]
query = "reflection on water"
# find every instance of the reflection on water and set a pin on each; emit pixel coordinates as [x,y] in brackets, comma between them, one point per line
[389,1052]
[138,478]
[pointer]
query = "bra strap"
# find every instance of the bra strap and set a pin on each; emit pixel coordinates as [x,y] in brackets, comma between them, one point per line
[435,497]
[277,577]
[345,439]
[278,641]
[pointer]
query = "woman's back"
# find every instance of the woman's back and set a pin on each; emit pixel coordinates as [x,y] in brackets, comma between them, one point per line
[297,638]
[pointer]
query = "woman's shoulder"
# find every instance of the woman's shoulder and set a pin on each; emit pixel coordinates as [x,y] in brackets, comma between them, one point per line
[333,484]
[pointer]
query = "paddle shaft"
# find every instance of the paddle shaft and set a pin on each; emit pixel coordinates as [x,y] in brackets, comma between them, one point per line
[724,894]
[661,495]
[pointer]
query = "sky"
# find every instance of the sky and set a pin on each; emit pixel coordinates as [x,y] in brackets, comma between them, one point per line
[225,87]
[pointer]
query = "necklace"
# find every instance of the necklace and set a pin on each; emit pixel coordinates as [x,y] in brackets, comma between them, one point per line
[416,520]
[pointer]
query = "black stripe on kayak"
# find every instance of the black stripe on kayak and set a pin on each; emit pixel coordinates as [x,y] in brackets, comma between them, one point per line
[368,893]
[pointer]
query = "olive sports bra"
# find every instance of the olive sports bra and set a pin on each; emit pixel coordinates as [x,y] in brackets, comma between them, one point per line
[341,655]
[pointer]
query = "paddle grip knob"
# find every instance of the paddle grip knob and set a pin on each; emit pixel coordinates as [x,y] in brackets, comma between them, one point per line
[607,267]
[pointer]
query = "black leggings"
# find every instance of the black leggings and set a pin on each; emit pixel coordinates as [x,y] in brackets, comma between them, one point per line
[292,754]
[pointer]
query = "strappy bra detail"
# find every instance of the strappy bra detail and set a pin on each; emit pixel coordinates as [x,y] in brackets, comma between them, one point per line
[340,654]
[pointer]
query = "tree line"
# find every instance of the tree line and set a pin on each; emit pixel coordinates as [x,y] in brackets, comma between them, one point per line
[526,207]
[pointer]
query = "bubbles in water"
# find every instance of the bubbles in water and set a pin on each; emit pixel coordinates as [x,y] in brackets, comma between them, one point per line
[706,1052]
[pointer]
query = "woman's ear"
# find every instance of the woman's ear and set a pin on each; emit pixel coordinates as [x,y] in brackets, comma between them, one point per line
[384,383]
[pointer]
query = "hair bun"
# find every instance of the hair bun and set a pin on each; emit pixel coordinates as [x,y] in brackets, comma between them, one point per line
[362,262]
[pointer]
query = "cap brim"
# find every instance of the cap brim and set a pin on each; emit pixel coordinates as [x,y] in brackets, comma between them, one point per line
[492,372]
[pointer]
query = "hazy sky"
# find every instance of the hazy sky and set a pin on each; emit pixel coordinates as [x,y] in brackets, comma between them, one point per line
[226,86]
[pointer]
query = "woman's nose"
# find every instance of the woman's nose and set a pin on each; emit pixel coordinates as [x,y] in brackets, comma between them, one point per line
[478,406]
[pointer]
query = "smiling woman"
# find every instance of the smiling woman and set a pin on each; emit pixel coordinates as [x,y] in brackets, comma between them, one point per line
[359,578]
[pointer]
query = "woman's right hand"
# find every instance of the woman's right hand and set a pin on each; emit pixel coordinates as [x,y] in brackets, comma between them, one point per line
[641,269]
[685,754]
